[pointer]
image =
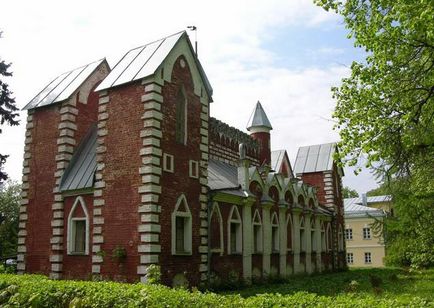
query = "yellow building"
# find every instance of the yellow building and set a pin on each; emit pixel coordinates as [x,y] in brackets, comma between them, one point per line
[364,243]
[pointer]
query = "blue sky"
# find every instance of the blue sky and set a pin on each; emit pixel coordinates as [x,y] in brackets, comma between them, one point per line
[287,54]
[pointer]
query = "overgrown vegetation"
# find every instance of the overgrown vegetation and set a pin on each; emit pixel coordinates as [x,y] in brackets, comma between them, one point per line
[385,112]
[361,288]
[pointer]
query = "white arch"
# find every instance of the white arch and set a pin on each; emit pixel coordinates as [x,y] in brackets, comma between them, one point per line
[235,218]
[216,210]
[79,201]
[187,226]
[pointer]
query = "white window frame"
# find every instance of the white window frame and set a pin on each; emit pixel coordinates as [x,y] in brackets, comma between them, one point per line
[79,201]
[187,227]
[275,235]
[350,258]
[168,158]
[368,258]
[367,233]
[216,211]
[349,234]
[257,221]
[193,169]
[235,218]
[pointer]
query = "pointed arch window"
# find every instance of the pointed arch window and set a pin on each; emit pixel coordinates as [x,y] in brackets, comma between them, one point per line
[301,201]
[216,230]
[234,232]
[275,243]
[312,236]
[302,236]
[181,116]
[289,233]
[257,233]
[78,228]
[181,228]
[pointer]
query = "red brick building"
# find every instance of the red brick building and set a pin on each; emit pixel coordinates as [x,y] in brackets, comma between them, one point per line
[125,168]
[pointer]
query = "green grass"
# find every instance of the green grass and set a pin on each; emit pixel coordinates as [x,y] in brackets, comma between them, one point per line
[355,288]
[393,283]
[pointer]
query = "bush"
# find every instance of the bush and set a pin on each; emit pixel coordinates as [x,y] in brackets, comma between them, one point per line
[39,291]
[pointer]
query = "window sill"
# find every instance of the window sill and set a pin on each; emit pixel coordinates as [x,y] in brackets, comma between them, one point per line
[184,253]
[235,254]
[77,254]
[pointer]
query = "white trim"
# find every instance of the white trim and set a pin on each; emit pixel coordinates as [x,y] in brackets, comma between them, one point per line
[193,169]
[216,209]
[257,221]
[187,230]
[168,158]
[239,231]
[70,235]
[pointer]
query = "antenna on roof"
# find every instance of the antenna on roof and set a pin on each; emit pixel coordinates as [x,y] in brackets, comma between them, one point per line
[194,28]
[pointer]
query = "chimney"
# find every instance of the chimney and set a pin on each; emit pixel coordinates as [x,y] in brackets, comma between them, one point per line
[364,200]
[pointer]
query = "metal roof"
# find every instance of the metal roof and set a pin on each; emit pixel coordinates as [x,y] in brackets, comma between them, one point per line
[63,86]
[357,210]
[143,61]
[80,172]
[315,158]
[359,200]
[277,159]
[259,118]
[222,175]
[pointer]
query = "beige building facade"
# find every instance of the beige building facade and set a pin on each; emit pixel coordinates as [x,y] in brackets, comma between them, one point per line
[364,240]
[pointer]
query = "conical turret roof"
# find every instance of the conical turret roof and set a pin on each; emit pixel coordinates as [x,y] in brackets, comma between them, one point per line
[259,118]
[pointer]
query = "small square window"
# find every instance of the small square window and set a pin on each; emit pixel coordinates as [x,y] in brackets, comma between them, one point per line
[168,163]
[194,169]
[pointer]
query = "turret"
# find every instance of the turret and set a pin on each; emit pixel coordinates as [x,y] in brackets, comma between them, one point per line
[259,127]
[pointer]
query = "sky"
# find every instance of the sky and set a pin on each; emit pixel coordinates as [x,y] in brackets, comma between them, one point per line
[286,54]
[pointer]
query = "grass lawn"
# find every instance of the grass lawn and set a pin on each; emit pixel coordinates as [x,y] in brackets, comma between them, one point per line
[378,282]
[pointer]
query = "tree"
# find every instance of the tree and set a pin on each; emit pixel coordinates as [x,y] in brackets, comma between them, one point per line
[9,214]
[349,193]
[8,109]
[385,110]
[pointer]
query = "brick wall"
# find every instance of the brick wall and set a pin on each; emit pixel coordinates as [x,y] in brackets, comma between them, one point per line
[179,182]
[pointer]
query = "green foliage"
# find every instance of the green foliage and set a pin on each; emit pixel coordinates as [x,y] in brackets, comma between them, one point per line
[385,110]
[8,110]
[9,211]
[408,289]
[349,193]
[153,274]
[119,254]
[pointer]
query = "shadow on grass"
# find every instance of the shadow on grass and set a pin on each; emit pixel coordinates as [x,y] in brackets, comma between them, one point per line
[391,281]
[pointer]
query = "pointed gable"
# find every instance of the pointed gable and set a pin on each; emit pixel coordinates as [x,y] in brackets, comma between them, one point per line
[64,85]
[280,163]
[144,61]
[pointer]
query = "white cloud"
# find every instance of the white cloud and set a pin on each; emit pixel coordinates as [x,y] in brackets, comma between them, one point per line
[45,38]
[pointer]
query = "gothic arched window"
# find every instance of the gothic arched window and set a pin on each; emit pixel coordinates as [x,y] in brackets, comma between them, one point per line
[78,228]
[181,116]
